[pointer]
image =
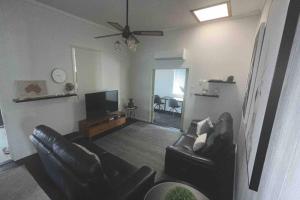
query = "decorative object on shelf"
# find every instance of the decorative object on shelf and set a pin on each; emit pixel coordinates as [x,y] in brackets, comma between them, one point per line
[69,87]
[58,75]
[203,86]
[130,103]
[230,79]
[20,100]
[179,193]
[29,89]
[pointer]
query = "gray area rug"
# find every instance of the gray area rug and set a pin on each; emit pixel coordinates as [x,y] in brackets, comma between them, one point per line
[141,144]
[18,184]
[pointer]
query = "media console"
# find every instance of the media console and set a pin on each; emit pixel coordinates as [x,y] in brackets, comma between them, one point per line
[94,127]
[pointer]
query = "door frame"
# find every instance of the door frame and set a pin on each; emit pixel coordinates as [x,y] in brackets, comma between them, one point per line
[187,70]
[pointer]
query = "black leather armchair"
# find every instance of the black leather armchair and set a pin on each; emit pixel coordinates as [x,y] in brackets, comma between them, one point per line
[80,176]
[211,171]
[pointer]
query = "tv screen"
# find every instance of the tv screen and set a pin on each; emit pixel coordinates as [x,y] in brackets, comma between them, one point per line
[101,103]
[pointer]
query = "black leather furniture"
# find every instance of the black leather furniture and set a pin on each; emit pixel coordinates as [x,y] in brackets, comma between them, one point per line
[80,176]
[210,170]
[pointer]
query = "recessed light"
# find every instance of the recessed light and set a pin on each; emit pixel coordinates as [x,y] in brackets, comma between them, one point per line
[212,12]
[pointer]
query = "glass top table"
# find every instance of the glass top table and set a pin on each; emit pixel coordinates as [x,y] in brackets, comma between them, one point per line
[160,191]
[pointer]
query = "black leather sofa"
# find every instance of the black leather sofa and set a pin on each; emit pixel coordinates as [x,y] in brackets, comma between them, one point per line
[211,172]
[80,176]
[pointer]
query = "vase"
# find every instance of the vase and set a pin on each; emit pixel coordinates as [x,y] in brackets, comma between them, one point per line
[130,103]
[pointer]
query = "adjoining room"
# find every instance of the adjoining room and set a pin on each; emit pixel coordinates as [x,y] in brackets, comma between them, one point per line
[169,94]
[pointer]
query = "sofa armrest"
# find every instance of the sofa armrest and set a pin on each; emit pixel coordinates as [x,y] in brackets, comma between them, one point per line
[136,186]
[199,160]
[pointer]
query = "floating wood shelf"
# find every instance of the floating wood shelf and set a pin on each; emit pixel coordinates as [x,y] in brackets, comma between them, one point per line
[19,100]
[207,95]
[220,81]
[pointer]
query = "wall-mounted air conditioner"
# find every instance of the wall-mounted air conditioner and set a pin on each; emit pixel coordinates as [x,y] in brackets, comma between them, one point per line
[179,54]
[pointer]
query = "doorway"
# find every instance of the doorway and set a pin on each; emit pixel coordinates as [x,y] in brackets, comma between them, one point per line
[169,91]
[4,150]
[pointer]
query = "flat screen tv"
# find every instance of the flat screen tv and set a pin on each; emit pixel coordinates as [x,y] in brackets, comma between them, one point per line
[100,104]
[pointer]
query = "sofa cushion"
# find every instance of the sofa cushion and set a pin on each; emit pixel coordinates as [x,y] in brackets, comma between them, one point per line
[221,137]
[192,130]
[89,152]
[78,161]
[204,126]
[199,142]
[116,169]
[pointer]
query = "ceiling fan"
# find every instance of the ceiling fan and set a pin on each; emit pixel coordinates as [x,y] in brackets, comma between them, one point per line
[130,36]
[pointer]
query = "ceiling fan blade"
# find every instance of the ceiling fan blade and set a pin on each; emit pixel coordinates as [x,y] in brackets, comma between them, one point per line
[149,33]
[111,35]
[116,26]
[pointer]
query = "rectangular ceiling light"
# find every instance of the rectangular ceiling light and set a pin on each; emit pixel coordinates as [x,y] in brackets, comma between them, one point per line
[212,12]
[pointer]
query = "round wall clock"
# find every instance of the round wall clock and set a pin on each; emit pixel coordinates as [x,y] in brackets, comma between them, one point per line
[58,75]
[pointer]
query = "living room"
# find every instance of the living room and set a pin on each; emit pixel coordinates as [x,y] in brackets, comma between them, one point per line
[62,47]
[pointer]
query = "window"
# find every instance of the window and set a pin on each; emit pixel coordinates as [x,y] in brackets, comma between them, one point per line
[179,82]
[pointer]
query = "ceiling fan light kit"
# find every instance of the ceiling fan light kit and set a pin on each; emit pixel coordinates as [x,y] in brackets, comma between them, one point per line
[129,36]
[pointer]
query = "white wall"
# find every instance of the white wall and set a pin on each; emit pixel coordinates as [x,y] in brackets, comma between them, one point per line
[216,49]
[280,178]
[35,39]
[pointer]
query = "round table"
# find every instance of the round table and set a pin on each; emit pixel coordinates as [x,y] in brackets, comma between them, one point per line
[130,112]
[160,190]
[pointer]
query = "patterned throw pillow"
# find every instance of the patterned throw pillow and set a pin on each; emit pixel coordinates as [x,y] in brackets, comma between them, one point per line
[204,126]
[200,142]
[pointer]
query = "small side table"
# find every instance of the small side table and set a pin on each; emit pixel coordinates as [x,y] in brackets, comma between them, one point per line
[160,190]
[130,111]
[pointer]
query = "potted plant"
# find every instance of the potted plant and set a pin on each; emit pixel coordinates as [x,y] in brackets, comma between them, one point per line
[180,193]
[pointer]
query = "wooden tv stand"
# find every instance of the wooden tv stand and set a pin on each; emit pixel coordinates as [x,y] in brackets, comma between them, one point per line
[93,127]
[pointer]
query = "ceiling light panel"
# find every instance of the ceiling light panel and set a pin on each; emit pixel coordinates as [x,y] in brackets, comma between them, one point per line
[212,12]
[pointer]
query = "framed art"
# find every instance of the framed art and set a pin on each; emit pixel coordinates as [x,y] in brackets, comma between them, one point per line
[262,97]
[29,89]
[252,96]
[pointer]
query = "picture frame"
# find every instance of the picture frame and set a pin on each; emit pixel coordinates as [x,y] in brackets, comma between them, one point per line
[262,98]
[30,88]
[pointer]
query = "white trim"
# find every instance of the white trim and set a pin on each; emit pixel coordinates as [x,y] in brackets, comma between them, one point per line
[42,5]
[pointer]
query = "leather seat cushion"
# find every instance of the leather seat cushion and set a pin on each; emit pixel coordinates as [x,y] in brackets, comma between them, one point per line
[185,144]
[82,164]
[220,138]
[185,140]
[116,169]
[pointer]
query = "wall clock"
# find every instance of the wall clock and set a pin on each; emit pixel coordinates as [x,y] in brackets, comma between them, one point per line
[58,76]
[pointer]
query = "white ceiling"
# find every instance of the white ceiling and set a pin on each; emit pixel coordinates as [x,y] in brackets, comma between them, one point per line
[147,14]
